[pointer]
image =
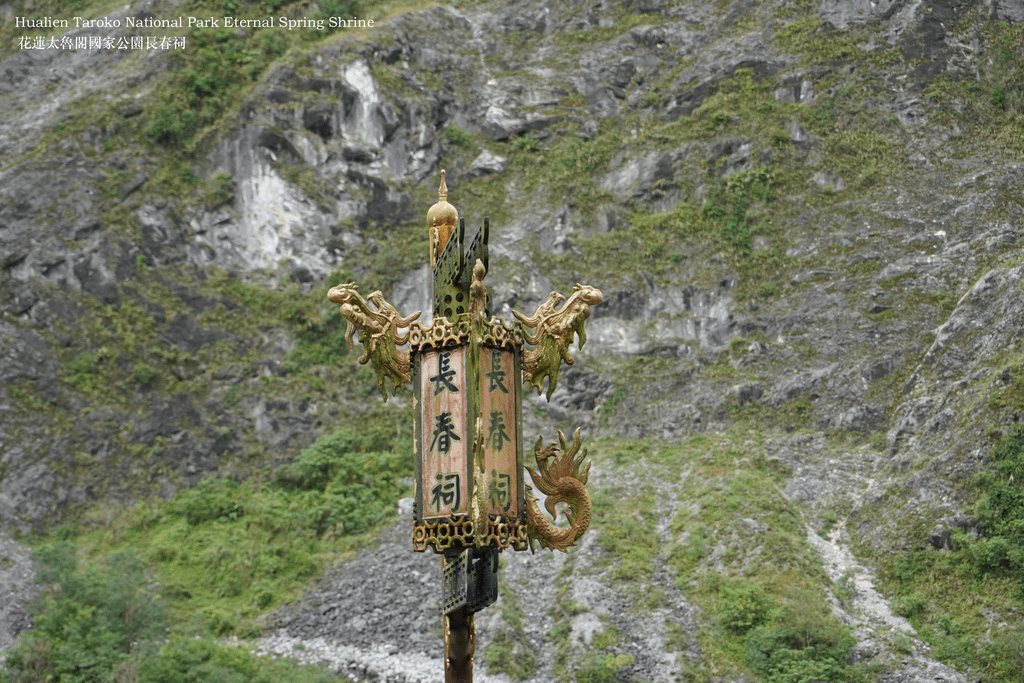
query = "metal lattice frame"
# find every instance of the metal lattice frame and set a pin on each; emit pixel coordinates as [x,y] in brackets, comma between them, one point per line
[442,533]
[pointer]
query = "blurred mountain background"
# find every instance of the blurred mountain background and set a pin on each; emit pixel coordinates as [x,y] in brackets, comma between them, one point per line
[801,393]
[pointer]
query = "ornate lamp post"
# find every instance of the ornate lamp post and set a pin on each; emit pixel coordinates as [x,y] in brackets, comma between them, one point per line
[468,370]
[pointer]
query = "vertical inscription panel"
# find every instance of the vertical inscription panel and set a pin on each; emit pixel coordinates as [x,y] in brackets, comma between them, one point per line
[444,440]
[502,442]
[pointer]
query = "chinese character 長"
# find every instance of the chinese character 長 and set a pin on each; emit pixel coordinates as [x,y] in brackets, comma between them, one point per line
[443,379]
[497,373]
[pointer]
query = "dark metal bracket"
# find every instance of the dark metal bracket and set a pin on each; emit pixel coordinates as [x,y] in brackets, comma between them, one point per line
[470,579]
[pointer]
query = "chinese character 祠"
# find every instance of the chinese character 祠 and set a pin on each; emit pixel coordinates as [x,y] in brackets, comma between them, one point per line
[446,492]
[497,373]
[496,435]
[443,378]
[499,490]
[444,432]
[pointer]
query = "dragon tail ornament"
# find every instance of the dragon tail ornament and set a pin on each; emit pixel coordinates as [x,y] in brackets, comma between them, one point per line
[562,477]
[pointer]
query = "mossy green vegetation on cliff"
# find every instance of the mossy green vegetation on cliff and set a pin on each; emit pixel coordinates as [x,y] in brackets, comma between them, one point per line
[206,563]
[106,622]
[950,595]
[740,554]
[707,527]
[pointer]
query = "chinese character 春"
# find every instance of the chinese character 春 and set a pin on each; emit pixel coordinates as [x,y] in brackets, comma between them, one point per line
[497,373]
[446,492]
[444,374]
[496,436]
[444,433]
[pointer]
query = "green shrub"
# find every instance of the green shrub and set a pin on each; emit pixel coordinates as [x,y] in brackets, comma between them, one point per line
[526,144]
[1004,654]
[338,8]
[211,499]
[601,668]
[997,96]
[144,375]
[223,552]
[1000,511]
[506,655]
[743,605]
[995,555]
[457,137]
[222,185]
[910,606]
[171,125]
[341,485]
[217,63]
[273,44]
[804,643]
[264,599]
[89,621]
[324,342]
[194,660]
[85,371]
[730,200]
[696,548]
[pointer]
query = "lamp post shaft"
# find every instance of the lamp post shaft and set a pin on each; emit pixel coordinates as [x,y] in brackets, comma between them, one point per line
[459,643]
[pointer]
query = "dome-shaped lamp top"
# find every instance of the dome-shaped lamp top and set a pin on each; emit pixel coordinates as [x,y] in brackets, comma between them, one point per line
[442,216]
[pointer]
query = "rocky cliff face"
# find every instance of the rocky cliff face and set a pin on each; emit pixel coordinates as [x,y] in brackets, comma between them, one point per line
[804,218]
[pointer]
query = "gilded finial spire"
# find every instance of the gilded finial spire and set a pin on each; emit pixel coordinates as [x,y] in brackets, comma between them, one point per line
[441,221]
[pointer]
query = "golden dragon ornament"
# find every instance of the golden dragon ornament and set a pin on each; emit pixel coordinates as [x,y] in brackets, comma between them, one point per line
[562,477]
[561,470]
[554,331]
[378,332]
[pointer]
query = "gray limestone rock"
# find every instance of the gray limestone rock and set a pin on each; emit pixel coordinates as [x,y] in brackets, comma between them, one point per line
[1011,11]
[487,162]
[828,181]
[843,13]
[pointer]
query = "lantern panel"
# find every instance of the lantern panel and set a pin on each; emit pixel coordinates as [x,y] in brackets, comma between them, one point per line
[499,390]
[444,440]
